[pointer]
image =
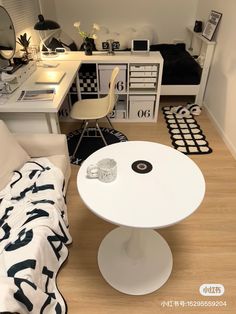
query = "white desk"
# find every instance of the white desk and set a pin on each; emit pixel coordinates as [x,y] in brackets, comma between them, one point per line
[103,57]
[42,116]
[39,116]
[135,259]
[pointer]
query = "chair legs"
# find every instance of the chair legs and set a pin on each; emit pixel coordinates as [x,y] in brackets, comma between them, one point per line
[99,130]
[109,121]
[85,125]
[80,139]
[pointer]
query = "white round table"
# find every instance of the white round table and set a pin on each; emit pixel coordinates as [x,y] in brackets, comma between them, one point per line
[134,258]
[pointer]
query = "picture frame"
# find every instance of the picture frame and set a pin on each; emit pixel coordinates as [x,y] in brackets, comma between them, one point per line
[211,24]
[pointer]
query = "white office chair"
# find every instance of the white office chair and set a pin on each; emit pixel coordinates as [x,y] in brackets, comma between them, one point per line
[94,109]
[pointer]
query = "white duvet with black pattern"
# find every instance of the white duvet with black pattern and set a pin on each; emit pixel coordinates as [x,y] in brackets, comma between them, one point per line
[33,238]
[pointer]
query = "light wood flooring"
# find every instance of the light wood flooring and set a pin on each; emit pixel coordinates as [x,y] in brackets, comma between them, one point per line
[203,245]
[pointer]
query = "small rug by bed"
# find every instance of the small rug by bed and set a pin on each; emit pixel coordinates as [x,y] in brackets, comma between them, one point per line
[91,142]
[186,135]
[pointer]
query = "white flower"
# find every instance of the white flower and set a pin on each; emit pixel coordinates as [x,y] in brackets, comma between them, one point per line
[77,24]
[96,27]
[85,34]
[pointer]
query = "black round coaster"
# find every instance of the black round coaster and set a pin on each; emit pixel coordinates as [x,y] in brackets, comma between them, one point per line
[142,166]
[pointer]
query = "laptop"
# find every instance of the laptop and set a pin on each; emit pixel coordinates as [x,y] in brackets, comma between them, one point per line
[50,77]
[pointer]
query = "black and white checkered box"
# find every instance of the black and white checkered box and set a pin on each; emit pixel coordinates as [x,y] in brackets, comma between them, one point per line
[88,82]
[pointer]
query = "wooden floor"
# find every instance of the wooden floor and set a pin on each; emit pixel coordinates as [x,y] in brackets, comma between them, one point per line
[203,245]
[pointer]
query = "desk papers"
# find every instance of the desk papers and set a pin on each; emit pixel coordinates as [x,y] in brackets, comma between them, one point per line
[37,95]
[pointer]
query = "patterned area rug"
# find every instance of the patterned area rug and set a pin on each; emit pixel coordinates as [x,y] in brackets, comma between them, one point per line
[91,142]
[186,135]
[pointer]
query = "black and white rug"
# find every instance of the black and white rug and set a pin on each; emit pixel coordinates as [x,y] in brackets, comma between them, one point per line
[186,135]
[91,142]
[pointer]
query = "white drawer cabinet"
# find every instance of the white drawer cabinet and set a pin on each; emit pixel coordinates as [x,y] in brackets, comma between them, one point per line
[143,74]
[143,77]
[143,68]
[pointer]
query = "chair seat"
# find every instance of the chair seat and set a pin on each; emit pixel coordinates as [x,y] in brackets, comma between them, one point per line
[90,109]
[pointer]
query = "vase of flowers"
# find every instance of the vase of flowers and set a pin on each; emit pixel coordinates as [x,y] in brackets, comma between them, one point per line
[88,38]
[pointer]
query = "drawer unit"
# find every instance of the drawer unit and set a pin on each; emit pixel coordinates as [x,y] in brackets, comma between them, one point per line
[143,67]
[105,70]
[141,107]
[143,80]
[142,85]
[19,77]
[143,76]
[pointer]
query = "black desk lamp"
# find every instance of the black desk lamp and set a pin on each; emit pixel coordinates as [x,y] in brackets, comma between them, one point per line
[45,25]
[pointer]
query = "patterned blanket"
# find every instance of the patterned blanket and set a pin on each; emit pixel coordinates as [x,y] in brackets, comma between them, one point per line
[33,237]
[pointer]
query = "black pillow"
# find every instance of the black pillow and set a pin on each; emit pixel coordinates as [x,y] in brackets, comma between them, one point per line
[55,43]
[168,47]
[72,46]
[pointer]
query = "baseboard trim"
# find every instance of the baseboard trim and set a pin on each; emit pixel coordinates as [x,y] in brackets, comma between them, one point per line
[224,137]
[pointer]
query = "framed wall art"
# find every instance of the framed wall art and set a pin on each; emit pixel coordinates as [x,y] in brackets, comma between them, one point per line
[211,25]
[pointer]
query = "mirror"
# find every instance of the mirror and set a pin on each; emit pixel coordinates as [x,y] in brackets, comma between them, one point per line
[7,35]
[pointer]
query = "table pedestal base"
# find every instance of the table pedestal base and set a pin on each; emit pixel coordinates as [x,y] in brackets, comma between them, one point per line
[135,261]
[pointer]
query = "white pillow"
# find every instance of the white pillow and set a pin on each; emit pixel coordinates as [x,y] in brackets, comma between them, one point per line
[12,155]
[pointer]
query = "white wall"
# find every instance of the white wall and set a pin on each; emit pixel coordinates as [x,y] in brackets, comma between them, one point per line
[220,96]
[168,17]
[49,9]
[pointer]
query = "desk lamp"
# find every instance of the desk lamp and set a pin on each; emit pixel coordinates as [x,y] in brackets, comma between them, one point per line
[44,25]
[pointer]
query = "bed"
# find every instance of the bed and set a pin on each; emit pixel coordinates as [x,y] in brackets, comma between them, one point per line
[179,68]
[185,73]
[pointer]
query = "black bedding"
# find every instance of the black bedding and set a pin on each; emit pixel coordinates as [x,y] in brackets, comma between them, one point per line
[179,67]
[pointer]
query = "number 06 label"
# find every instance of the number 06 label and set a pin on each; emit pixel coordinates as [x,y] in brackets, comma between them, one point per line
[141,111]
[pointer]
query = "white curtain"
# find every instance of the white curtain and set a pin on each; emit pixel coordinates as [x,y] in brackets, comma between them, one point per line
[24,13]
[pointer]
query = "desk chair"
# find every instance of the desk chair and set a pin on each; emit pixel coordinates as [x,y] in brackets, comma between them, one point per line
[95,109]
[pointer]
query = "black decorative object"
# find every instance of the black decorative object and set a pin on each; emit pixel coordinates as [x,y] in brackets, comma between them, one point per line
[91,142]
[198,27]
[141,166]
[88,46]
[185,133]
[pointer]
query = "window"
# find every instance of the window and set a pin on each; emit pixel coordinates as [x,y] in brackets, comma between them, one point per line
[24,13]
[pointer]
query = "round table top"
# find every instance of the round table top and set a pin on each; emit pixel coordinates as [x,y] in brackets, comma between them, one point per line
[170,192]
